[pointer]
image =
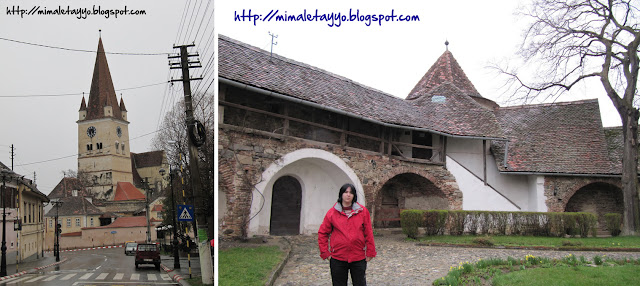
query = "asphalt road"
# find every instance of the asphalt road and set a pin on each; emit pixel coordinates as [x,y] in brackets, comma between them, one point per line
[95,267]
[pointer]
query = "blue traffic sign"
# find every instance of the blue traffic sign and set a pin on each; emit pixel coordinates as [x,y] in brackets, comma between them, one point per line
[185,212]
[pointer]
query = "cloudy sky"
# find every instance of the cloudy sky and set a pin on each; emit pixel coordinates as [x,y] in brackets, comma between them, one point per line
[393,56]
[41,87]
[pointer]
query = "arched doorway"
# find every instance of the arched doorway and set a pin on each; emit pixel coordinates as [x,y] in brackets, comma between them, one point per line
[597,198]
[407,191]
[285,206]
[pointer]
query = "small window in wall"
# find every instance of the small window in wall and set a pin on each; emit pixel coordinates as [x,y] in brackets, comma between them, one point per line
[68,222]
[89,147]
[50,223]
[98,146]
[91,222]
[117,147]
[77,221]
[24,213]
[122,148]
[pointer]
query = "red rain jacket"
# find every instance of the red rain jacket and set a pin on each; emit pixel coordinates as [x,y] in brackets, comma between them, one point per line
[351,236]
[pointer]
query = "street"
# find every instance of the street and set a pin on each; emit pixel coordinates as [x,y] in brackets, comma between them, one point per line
[95,267]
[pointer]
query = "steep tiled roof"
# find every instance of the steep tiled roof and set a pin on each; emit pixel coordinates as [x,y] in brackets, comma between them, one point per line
[125,191]
[249,65]
[554,138]
[102,92]
[65,188]
[445,70]
[147,159]
[74,206]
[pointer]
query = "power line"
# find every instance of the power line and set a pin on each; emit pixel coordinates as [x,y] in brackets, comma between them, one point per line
[85,51]
[79,93]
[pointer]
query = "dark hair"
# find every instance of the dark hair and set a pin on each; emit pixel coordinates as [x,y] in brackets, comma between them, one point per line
[344,189]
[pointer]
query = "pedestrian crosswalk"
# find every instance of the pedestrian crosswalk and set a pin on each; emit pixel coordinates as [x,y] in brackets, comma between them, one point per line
[35,279]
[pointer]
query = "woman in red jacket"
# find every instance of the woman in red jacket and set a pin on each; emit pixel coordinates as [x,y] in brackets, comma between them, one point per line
[348,224]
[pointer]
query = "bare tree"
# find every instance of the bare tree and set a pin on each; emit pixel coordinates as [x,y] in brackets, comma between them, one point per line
[174,128]
[575,40]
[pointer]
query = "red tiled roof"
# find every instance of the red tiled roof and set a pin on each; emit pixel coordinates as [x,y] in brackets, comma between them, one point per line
[249,65]
[125,191]
[77,233]
[65,188]
[102,92]
[445,70]
[126,221]
[157,208]
[73,206]
[554,138]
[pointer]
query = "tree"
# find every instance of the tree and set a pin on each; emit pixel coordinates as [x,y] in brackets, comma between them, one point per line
[174,128]
[577,40]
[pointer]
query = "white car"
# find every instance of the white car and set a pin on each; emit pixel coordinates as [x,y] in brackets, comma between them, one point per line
[130,248]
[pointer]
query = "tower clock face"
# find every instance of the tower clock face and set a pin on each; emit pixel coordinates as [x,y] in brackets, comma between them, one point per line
[91,131]
[119,131]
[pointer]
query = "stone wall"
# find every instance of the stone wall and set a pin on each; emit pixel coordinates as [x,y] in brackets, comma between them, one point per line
[245,153]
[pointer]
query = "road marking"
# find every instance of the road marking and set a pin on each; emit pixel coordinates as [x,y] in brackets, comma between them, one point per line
[135,276]
[86,276]
[118,276]
[68,276]
[22,279]
[165,277]
[52,277]
[152,277]
[35,279]
[102,276]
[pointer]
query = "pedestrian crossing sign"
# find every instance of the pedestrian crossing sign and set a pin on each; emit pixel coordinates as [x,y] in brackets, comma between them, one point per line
[185,212]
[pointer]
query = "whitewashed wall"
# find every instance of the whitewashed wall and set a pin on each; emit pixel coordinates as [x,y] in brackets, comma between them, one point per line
[320,173]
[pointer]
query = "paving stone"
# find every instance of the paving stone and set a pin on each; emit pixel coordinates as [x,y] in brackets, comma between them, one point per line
[400,262]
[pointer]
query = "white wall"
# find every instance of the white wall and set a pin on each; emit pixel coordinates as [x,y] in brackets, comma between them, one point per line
[320,173]
[526,192]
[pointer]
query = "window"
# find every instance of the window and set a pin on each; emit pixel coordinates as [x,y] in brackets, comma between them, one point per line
[99,146]
[91,221]
[68,222]
[122,148]
[50,223]
[117,147]
[24,213]
[77,221]
[89,147]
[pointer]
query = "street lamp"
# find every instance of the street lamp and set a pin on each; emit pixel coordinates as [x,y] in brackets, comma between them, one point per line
[176,258]
[56,243]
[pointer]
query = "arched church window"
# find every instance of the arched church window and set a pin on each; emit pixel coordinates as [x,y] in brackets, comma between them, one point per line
[122,148]
[89,147]
[98,146]
[117,147]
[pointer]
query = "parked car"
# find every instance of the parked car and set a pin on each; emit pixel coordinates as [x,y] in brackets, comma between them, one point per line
[147,253]
[130,248]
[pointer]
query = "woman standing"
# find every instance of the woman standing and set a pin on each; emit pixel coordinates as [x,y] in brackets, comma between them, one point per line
[348,224]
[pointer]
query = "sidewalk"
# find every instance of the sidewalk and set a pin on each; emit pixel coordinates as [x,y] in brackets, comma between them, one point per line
[32,266]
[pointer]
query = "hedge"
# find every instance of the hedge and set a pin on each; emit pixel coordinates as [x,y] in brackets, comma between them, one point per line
[459,222]
[614,223]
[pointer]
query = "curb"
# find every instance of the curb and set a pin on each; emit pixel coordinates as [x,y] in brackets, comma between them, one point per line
[276,273]
[176,277]
[31,270]
[550,248]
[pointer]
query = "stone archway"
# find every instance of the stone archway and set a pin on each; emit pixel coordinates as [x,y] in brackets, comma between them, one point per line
[407,191]
[598,198]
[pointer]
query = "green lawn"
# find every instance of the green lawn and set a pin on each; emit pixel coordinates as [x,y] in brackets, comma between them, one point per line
[248,266]
[531,241]
[568,276]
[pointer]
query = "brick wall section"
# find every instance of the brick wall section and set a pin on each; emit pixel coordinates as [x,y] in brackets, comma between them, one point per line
[600,195]
[245,154]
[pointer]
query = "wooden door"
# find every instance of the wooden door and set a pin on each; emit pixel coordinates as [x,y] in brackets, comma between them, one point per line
[286,203]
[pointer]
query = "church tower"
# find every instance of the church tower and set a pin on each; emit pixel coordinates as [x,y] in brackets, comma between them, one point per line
[103,134]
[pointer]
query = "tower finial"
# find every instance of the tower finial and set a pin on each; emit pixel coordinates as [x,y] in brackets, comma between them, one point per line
[446,43]
[100,33]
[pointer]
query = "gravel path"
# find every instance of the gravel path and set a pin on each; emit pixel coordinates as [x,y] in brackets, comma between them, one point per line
[404,263]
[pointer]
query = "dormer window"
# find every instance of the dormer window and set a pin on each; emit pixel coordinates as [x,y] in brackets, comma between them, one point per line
[74,193]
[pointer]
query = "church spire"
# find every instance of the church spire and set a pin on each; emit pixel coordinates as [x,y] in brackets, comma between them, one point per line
[102,101]
[83,105]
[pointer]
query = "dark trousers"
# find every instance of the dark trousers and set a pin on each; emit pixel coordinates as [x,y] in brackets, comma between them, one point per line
[340,271]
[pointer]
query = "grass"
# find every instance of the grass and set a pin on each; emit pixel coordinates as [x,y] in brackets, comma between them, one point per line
[247,266]
[197,281]
[579,276]
[533,241]
[532,270]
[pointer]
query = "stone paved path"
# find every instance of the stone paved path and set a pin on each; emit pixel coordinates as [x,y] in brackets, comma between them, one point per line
[404,263]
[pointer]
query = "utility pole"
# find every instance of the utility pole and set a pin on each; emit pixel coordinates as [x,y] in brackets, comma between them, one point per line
[13,155]
[3,260]
[196,136]
[145,184]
